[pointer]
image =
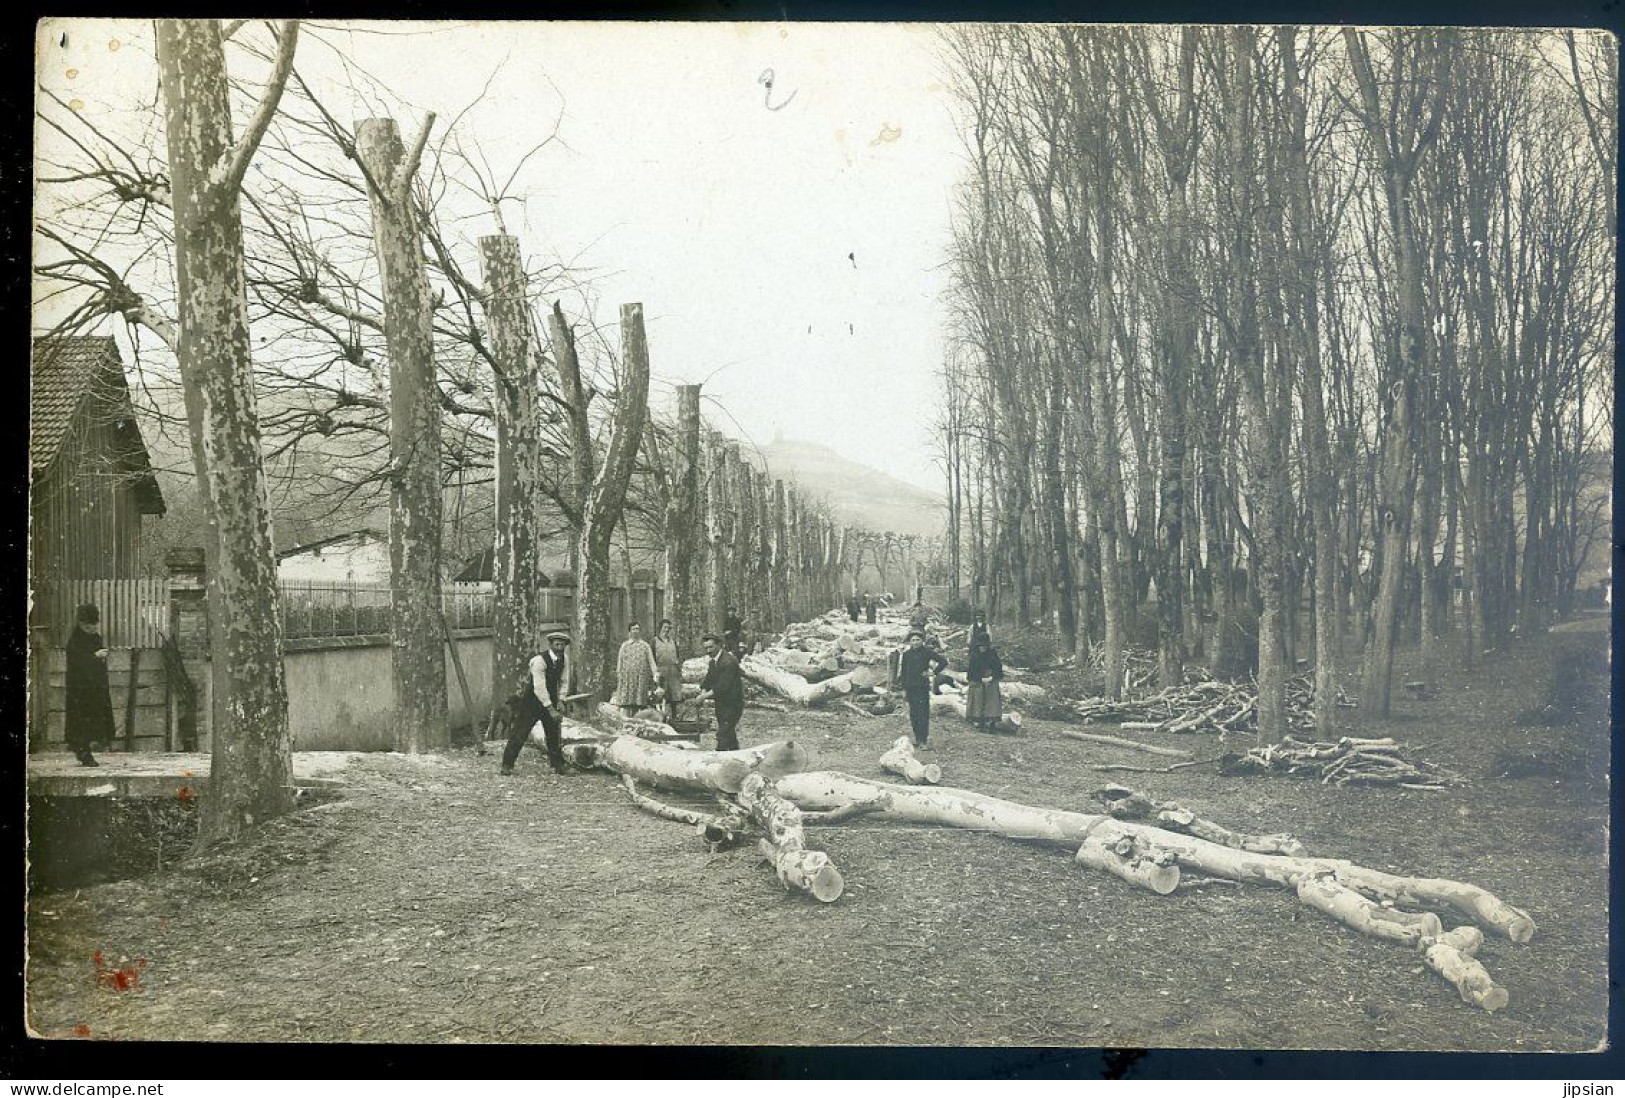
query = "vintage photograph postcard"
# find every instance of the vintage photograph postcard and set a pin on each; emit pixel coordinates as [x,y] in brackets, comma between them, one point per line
[821,534]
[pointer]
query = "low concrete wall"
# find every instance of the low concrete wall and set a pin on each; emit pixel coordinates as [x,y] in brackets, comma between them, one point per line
[341,696]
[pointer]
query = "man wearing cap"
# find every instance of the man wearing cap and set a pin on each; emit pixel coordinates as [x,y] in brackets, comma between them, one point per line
[542,700]
[723,684]
[916,668]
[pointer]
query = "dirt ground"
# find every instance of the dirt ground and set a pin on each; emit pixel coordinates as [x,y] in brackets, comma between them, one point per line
[440,902]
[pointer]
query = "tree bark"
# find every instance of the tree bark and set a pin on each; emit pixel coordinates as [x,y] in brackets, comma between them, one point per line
[519,472]
[417,652]
[251,764]
[603,496]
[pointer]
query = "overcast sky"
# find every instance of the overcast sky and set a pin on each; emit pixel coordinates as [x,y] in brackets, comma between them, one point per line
[791,258]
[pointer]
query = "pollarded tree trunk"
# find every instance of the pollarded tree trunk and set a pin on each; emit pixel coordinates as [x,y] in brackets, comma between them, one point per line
[685,546]
[417,649]
[250,776]
[716,540]
[779,566]
[604,494]
[519,474]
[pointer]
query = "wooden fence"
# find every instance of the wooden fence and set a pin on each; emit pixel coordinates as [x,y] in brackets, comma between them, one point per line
[134,612]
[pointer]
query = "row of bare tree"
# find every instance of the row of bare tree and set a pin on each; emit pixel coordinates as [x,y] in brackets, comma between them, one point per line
[319,322]
[1253,318]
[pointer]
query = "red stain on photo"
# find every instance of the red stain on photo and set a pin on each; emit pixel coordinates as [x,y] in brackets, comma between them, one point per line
[118,977]
[81,1030]
[185,794]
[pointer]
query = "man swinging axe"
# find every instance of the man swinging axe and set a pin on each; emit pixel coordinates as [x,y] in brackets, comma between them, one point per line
[541,699]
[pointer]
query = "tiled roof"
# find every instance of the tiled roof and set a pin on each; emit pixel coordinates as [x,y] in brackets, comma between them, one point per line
[64,369]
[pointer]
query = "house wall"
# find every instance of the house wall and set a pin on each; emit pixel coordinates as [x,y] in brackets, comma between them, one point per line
[364,560]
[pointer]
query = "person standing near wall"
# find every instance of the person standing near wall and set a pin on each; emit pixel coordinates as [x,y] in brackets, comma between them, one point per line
[723,685]
[89,717]
[869,608]
[670,664]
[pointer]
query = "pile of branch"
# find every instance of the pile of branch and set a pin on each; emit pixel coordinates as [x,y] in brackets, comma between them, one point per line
[1349,761]
[1139,667]
[767,792]
[1203,704]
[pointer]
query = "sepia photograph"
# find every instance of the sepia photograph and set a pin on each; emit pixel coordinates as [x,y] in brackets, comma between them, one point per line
[692,534]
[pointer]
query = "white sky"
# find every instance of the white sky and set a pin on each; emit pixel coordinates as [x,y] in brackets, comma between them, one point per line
[732,223]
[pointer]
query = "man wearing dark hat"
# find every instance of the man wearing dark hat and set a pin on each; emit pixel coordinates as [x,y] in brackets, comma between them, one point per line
[723,684]
[916,669]
[549,680]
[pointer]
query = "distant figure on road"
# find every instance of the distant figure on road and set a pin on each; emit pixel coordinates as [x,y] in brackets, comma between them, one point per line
[918,617]
[869,607]
[635,672]
[670,664]
[983,706]
[723,685]
[733,632]
[542,699]
[89,719]
[852,606]
[916,668]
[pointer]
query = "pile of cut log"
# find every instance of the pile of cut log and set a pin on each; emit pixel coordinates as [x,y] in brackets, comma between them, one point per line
[834,659]
[1203,704]
[767,792]
[1349,761]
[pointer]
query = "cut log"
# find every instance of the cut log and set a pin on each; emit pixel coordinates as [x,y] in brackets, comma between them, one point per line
[1009,724]
[674,768]
[1124,803]
[869,676]
[611,719]
[694,669]
[1470,978]
[718,830]
[794,687]
[784,846]
[1021,692]
[950,807]
[1133,858]
[1367,916]
[948,704]
[1119,741]
[901,760]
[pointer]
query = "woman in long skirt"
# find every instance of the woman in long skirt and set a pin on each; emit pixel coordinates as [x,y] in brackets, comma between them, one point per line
[89,717]
[635,672]
[670,666]
[983,706]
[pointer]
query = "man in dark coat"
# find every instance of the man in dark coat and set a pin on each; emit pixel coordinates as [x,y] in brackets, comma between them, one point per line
[733,632]
[869,608]
[89,717]
[541,699]
[723,685]
[916,669]
[853,607]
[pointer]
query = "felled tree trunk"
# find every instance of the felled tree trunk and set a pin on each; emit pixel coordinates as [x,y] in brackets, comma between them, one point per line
[718,830]
[1134,858]
[1125,804]
[900,760]
[784,846]
[961,808]
[1451,956]
[618,723]
[1118,741]
[792,686]
[677,768]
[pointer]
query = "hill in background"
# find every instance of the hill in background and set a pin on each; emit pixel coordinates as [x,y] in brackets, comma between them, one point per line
[861,496]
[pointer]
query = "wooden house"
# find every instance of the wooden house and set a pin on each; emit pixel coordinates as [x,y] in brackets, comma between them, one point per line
[92,481]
